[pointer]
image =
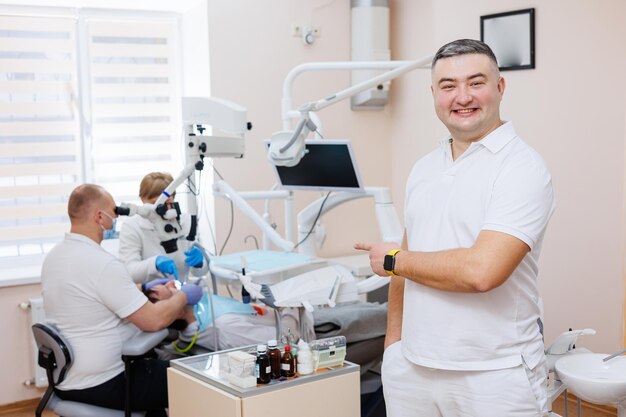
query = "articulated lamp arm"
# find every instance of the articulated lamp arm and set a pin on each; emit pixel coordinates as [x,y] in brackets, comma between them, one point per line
[287,147]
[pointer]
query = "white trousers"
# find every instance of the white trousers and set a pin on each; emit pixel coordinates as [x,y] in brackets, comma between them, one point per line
[412,390]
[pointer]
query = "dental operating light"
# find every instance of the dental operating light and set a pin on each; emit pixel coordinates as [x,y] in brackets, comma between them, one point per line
[287,147]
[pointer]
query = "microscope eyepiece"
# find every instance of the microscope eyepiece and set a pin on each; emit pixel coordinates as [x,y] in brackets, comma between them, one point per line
[122,211]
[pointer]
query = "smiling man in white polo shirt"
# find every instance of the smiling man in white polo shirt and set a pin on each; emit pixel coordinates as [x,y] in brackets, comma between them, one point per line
[463,337]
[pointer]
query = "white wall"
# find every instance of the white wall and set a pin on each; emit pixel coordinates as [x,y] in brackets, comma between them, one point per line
[15,350]
[571,108]
[252,51]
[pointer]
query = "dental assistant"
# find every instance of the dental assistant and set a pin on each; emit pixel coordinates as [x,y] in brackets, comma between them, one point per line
[140,248]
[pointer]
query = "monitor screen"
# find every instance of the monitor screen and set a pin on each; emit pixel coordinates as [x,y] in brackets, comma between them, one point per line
[329,165]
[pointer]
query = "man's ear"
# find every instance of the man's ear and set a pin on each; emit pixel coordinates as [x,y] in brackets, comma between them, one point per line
[501,85]
[97,216]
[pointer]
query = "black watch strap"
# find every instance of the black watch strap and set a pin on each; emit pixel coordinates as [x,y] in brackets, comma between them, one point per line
[389,262]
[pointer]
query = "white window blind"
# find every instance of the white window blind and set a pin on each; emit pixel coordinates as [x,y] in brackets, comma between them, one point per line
[39,131]
[134,102]
[82,99]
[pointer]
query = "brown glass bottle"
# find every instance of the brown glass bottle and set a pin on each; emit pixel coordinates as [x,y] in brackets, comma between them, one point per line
[288,363]
[263,368]
[274,354]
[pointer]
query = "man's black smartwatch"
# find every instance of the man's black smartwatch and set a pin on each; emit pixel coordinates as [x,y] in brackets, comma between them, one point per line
[389,262]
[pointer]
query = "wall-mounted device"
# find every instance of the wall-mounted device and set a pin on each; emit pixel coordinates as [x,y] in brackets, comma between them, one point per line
[370,42]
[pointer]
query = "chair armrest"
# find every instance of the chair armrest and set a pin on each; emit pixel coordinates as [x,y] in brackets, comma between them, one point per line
[143,342]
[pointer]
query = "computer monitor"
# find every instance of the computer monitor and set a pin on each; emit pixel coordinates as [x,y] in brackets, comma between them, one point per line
[329,165]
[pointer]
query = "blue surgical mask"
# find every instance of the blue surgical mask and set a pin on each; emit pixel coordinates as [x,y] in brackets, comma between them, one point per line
[110,233]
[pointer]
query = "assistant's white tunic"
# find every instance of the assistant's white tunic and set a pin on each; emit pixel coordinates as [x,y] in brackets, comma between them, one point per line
[87,293]
[498,184]
[139,247]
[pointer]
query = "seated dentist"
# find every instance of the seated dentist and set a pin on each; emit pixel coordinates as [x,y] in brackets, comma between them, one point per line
[140,249]
[91,298]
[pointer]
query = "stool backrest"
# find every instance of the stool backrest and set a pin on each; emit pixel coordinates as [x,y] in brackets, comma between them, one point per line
[55,354]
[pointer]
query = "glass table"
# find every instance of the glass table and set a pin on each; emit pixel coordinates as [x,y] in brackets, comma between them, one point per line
[198,386]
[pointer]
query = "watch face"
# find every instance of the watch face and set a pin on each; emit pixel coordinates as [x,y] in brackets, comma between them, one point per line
[388,263]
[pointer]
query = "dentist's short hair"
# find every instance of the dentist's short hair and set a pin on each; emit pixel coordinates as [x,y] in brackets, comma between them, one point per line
[83,199]
[464,47]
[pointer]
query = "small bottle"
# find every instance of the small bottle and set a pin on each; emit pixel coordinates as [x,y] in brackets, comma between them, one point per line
[288,363]
[274,354]
[263,368]
[292,342]
[305,358]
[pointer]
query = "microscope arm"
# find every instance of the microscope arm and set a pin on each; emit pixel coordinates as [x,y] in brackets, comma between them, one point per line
[196,111]
[184,174]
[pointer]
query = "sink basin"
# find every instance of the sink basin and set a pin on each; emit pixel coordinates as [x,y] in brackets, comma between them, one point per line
[591,379]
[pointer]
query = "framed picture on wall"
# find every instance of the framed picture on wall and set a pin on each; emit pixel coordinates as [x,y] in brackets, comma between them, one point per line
[511,36]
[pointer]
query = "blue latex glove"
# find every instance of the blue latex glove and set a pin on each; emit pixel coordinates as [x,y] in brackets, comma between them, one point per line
[194,257]
[146,287]
[192,292]
[166,265]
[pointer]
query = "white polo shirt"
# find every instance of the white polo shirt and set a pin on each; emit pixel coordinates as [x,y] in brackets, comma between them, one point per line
[499,184]
[87,293]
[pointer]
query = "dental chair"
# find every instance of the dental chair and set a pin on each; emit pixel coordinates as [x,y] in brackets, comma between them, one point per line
[56,357]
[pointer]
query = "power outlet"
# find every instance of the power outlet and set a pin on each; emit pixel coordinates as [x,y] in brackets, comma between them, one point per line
[297,30]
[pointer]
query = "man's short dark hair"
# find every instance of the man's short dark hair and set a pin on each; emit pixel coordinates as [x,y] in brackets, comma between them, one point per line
[463,47]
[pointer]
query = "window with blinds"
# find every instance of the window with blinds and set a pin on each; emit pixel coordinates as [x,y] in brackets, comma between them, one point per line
[82,99]
[133,102]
